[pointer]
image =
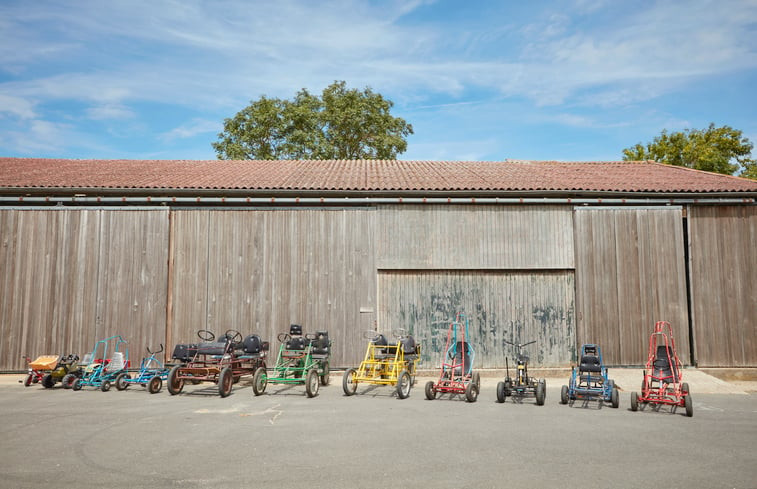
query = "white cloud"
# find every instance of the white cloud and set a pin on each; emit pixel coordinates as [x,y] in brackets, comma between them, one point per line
[110,111]
[16,106]
[191,129]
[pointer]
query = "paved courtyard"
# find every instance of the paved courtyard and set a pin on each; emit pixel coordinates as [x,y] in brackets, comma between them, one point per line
[60,438]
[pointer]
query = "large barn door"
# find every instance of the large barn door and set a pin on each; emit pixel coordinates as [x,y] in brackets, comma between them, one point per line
[630,272]
[501,305]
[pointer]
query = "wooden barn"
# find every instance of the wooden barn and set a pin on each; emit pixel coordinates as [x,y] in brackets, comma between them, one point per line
[560,253]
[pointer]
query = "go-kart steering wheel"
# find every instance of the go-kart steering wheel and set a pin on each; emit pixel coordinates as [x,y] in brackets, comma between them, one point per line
[206,335]
[233,335]
[282,337]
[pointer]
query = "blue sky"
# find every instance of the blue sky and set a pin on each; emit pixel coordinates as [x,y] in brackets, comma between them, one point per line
[547,80]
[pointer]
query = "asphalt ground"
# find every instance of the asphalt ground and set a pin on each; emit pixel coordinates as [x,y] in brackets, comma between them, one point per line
[56,438]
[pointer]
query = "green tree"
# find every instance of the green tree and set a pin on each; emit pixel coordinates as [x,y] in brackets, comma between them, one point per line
[340,124]
[715,149]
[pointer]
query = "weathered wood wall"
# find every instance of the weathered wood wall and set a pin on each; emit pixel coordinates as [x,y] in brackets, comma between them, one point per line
[512,306]
[474,237]
[261,270]
[630,273]
[723,244]
[70,277]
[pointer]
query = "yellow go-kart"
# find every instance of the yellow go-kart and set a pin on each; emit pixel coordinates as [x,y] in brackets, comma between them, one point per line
[386,363]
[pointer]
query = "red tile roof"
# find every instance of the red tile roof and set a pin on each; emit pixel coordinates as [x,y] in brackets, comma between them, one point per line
[366,175]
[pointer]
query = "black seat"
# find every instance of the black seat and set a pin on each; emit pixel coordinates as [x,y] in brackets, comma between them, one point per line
[184,352]
[321,343]
[590,363]
[663,366]
[295,330]
[252,345]
[213,347]
[462,358]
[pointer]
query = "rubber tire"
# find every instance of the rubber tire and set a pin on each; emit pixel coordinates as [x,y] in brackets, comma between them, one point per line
[173,384]
[471,392]
[564,395]
[615,398]
[541,394]
[68,381]
[47,381]
[685,388]
[508,388]
[634,401]
[325,379]
[311,383]
[154,384]
[430,391]
[501,396]
[28,380]
[105,386]
[348,385]
[477,380]
[689,404]
[77,385]
[259,382]
[225,382]
[120,382]
[404,384]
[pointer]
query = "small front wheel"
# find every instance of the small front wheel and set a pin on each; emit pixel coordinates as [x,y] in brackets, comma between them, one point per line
[105,387]
[541,393]
[47,381]
[689,404]
[68,381]
[564,395]
[404,383]
[28,380]
[430,391]
[76,385]
[634,401]
[477,380]
[614,398]
[174,383]
[311,383]
[501,395]
[225,382]
[259,381]
[121,383]
[325,374]
[154,384]
[349,385]
[471,392]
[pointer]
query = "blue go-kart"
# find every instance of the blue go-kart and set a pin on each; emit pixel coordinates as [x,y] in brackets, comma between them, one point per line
[589,380]
[152,373]
[108,359]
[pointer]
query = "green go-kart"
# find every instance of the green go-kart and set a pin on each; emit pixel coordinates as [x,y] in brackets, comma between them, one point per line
[301,360]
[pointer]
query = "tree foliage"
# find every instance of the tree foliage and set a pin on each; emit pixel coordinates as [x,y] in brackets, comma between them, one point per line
[715,149]
[340,124]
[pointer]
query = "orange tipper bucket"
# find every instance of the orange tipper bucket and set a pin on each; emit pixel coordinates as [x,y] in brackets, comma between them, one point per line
[45,362]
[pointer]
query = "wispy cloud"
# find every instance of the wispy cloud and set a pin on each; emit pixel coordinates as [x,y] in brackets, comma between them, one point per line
[191,129]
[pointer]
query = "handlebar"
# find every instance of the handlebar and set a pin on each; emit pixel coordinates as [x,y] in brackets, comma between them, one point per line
[155,352]
[519,345]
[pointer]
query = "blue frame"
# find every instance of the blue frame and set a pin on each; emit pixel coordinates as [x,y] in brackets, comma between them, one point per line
[590,385]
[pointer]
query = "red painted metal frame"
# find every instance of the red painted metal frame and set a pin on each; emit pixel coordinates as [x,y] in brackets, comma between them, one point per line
[453,384]
[657,389]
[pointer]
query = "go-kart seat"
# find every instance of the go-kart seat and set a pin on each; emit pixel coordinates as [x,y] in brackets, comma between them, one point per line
[590,365]
[320,344]
[662,369]
[295,343]
[408,347]
[116,362]
[462,358]
[252,346]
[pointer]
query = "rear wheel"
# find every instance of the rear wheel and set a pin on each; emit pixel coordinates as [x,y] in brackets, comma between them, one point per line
[77,385]
[564,395]
[121,383]
[154,384]
[404,383]
[471,392]
[349,385]
[225,382]
[614,398]
[311,383]
[634,401]
[689,405]
[430,391]
[501,395]
[685,388]
[47,381]
[105,387]
[477,380]
[28,380]
[541,394]
[325,374]
[68,381]
[174,383]
[259,381]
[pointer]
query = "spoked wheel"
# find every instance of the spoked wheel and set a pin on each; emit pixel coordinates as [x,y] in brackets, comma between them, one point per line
[430,391]
[634,401]
[564,395]
[174,383]
[311,383]
[404,383]
[325,375]
[68,381]
[541,393]
[615,398]
[105,387]
[349,385]
[154,384]
[47,381]
[121,383]
[501,395]
[471,392]
[28,380]
[225,382]
[689,404]
[259,381]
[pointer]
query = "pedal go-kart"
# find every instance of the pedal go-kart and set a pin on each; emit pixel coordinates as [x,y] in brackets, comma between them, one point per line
[456,374]
[522,386]
[589,380]
[151,374]
[301,360]
[50,369]
[222,361]
[385,363]
[108,359]
[662,377]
